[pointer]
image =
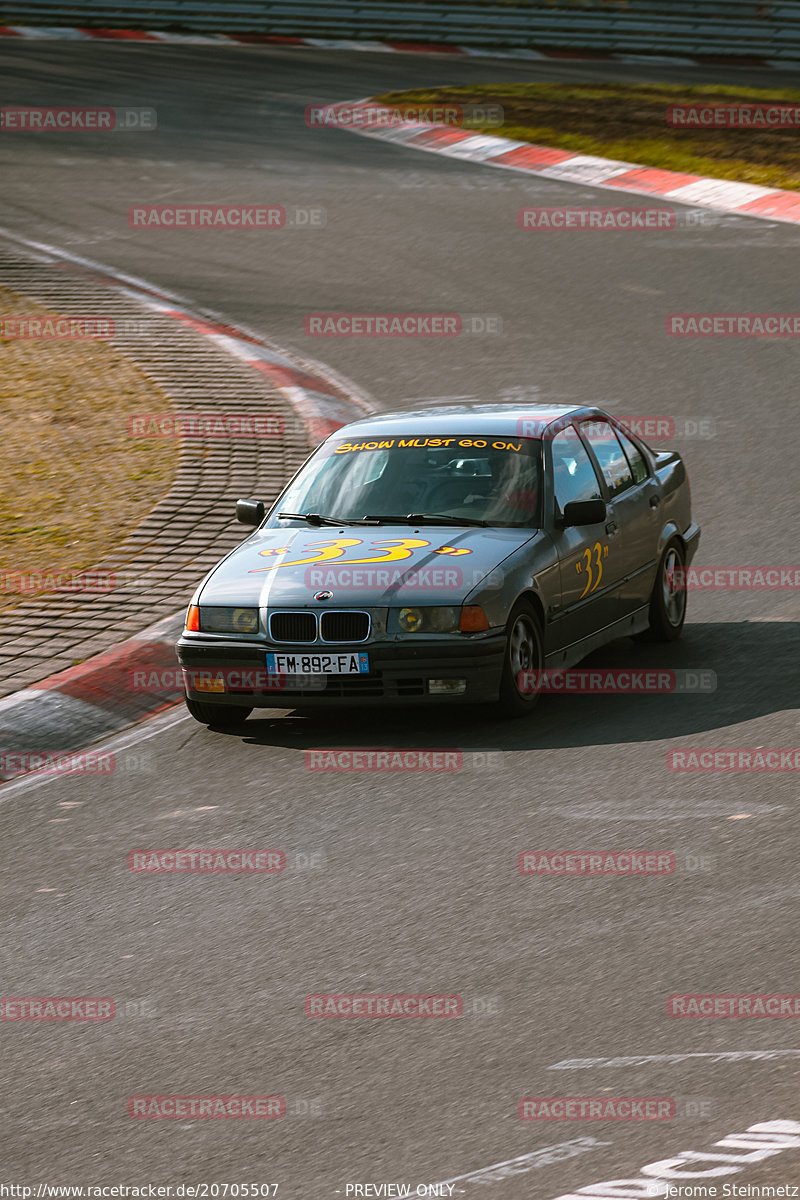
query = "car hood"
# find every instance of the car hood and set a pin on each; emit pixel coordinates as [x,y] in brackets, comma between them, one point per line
[363,567]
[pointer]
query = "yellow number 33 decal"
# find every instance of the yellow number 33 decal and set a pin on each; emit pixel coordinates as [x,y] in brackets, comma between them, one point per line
[592,557]
[389,551]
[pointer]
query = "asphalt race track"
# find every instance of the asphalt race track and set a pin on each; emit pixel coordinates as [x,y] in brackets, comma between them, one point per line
[407,882]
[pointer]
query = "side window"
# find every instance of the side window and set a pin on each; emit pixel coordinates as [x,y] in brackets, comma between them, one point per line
[609,454]
[574,476]
[634,457]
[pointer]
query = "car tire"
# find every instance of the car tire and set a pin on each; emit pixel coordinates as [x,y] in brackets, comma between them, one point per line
[668,603]
[524,652]
[217,716]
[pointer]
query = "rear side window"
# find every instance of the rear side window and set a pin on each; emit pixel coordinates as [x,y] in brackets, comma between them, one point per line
[636,461]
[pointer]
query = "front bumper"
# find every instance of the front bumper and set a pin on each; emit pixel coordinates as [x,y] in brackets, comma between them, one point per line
[398,674]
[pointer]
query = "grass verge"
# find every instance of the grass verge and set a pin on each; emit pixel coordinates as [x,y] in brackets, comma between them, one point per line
[629,123]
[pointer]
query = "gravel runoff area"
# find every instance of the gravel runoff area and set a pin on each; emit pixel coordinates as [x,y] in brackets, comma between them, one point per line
[75,483]
[146,563]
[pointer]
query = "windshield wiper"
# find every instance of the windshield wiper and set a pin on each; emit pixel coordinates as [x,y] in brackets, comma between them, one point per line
[442,518]
[435,518]
[319,519]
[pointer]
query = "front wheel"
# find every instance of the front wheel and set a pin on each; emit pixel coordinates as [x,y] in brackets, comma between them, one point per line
[668,601]
[524,654]
[218,716]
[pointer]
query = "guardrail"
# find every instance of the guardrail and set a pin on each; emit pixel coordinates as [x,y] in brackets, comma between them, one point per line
[695,27]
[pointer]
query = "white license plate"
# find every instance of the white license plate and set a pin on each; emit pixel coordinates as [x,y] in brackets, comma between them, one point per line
[318,664]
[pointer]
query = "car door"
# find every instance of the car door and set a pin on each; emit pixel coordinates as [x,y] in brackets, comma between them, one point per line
[634,500]
[589,563]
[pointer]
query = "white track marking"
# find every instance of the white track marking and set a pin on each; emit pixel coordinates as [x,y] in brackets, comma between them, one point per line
[57,253]
[189,39]
[673,61]
[348,44]
[723,193]
[141,733]
[483,52]
[585,168]
[528,1162]
[62,32]
[636,1060]
[677,1175]
[480,147]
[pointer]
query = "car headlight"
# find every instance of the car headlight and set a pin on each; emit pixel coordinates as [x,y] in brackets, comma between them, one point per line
[228,620]
[424,620]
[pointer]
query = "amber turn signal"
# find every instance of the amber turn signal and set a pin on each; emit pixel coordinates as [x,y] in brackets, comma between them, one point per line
[473,619]
[193,619]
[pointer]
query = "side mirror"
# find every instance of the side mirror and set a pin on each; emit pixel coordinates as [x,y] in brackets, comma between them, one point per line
[584,512]
[250,512]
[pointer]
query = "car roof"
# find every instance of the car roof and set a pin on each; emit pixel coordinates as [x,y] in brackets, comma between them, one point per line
[451,419]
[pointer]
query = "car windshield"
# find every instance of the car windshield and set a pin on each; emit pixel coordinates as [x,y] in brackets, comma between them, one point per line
[492,480]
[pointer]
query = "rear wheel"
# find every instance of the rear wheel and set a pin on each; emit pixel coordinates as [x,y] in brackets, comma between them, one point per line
[524,653]
[668,601]
[218,716]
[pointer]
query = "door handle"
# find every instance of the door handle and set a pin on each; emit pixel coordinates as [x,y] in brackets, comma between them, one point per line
[611,528]
[655,501]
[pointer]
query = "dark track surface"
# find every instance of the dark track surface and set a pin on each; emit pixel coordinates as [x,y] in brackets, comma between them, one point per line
[419,890]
